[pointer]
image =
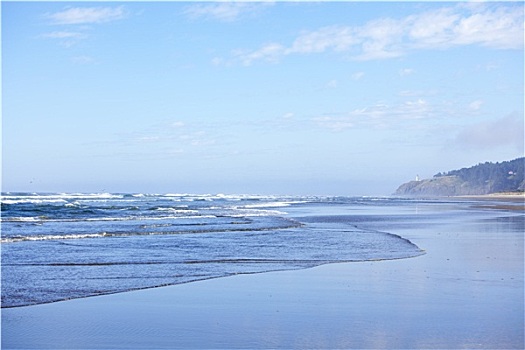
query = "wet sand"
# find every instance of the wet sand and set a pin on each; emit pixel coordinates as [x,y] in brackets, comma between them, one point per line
[502,201]
[467,291]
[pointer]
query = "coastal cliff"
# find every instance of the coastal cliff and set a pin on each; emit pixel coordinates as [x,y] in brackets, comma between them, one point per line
[484,178]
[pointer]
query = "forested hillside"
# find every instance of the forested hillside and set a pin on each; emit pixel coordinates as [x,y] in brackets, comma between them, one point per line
[484,178]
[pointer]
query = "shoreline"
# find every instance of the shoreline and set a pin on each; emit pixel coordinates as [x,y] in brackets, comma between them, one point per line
[511,196]
[465,292]
[509,200]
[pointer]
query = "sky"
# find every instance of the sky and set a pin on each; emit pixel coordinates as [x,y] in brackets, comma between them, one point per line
[294,98]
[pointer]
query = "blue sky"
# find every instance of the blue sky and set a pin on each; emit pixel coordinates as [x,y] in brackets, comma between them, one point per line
[335,98]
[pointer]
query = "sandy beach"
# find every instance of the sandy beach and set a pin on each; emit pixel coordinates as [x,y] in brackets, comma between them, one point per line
[507,200]
[467,291]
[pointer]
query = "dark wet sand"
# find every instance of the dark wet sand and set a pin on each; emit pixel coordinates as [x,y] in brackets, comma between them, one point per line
[466,292]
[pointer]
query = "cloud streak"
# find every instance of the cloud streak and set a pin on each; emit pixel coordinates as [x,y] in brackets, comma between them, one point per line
[497,27]
[378,116]
[64,35]
[87,15]
[66,38]
[77,21]
[172,139]
[224,11]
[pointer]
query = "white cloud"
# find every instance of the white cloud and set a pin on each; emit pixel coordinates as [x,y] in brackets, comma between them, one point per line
[177,124]
[378,116]
[270,52]
[497,26]
[432,29]
[64,35]
[377,51]
[65,38]
[79,18]
[224,11]
[418,109]
[406,71]
[87,15]
[500,28]
[334,38]
[475,105]
[380,39]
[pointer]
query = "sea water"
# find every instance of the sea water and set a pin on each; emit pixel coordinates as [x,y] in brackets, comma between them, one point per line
[59,246]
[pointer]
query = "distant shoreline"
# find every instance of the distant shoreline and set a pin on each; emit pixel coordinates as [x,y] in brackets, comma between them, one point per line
[503,196]
[513,200]
[511,196]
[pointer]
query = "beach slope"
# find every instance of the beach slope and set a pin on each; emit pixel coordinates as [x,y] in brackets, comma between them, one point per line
[467,291]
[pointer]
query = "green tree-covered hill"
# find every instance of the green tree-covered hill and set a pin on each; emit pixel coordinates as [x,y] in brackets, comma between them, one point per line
[484,178]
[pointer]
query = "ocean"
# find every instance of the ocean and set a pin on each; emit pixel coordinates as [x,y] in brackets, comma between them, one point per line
[61,246]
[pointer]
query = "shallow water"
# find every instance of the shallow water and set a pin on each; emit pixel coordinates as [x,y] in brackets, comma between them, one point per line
[64,246]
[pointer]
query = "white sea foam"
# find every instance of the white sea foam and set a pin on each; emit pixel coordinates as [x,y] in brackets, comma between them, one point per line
[269,205]
[178,209]
[148,218]
[36,198]
[240,212]
[51,237]
[32,201]
[22,219]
